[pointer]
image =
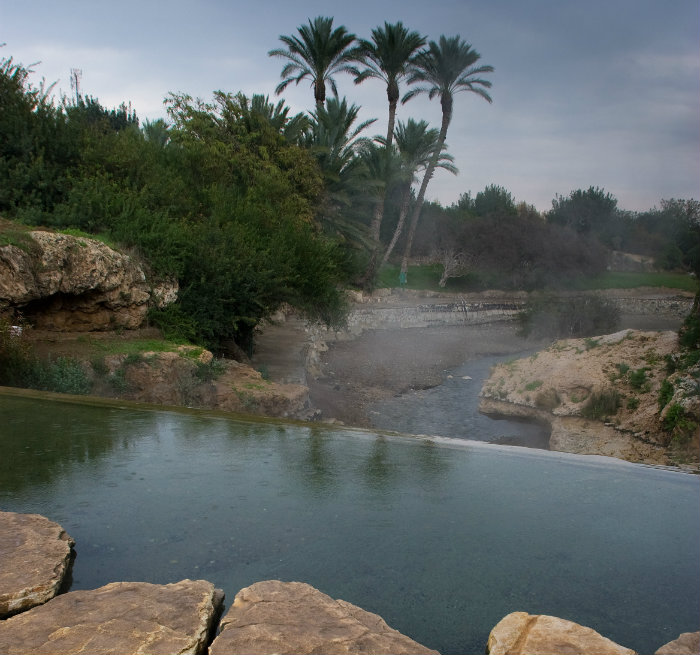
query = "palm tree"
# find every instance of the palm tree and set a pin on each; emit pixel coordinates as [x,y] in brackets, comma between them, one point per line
[260,108]
[387,57]
[416,143]
[318,53]
[334,139]
[384,168]
[444,69]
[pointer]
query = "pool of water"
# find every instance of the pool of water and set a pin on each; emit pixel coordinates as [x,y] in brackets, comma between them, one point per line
[441,538]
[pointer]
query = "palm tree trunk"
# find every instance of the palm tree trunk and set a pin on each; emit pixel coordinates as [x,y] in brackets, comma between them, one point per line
[446,102]
[375,232]
[399,226]
[392,122]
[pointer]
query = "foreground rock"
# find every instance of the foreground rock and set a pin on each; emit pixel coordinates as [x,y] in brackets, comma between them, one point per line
[600,396]
[521,633]
[121,617]
[62,282]
[687,644]
[35,557]
[293,617]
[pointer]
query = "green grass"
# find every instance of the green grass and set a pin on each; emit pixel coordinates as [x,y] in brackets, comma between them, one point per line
[135,347]
[427,278]
[630,280]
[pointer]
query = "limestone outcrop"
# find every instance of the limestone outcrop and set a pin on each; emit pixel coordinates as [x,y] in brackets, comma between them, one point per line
[188,376]
[63,282]
[600,396]
[293,617]
[121,617]
[520,633]
[687,643]
[35,557]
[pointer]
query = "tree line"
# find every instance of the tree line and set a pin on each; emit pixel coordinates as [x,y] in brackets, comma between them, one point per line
[249,206]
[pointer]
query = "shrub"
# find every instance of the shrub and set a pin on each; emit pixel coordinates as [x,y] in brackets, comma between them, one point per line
[64,375]
[632,403]
[665,393]
[637,378]
[679,426]
[602,404]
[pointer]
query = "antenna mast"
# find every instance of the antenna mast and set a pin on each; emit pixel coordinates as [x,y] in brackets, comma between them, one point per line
[75,75]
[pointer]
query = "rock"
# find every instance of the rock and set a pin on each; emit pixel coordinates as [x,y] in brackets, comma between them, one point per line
[687,644]
[293,617]
[35,557]
[68,283]
[121,617]
[521,633]
[621,372]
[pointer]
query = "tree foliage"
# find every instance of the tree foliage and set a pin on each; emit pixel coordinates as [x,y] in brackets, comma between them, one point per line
[219,199]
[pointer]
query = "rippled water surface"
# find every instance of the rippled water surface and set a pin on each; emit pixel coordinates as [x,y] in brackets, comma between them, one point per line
[441,540]
[452,410]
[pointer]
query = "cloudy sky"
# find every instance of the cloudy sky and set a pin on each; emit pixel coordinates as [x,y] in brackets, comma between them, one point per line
[599,93]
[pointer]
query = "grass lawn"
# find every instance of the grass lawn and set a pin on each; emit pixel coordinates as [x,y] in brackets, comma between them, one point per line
[427,278]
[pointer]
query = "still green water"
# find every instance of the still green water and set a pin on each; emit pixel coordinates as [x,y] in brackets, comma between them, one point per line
[441,539]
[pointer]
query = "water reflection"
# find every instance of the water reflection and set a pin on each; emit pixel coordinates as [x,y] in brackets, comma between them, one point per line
[40,446]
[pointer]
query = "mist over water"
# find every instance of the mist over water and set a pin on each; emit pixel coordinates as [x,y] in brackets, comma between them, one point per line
[442,538]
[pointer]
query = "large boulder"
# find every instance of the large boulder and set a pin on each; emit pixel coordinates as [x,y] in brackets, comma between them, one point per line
[687,643]
[293,617]
[521,633]
[121,617]
[35,557]
[67,283]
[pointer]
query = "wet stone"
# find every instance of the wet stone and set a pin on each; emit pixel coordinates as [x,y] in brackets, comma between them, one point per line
[35,557]
[294,617]
[520,633]
[121,617]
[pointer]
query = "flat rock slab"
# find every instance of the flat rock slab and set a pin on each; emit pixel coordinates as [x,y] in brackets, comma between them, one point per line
[293,617]
[521,633]
[35,557]
[121,617]
[687,643]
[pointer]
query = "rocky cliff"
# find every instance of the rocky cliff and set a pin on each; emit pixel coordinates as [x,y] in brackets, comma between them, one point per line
[62,282]
[609,395]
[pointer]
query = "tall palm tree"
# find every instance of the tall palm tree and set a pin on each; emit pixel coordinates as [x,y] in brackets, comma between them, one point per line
[387,57]
[442,70]
[416,143]
[317,54]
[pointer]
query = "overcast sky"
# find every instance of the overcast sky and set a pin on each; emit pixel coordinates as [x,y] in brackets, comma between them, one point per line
[598,93]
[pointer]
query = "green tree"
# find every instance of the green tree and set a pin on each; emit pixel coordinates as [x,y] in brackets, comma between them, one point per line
[588,211]
[317,54]
[387,57]
[447,67]
[494,200]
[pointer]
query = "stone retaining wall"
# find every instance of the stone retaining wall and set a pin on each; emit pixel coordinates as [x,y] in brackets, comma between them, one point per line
[469,312]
